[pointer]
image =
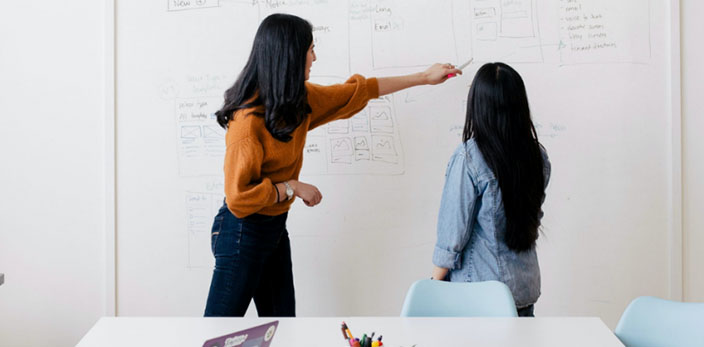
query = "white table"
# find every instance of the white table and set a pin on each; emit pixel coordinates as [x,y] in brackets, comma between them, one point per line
[397,332]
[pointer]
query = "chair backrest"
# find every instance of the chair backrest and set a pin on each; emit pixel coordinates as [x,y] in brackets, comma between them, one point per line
[428,298]
[650,321]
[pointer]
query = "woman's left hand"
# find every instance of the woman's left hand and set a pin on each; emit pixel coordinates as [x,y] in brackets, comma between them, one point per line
[438,73]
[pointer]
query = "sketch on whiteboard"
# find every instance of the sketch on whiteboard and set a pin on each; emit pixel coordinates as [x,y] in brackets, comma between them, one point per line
[201,207]
[182,5]
[505,30]
[398,30]
[550,130]
[368,143]
[201,142]
[602,31]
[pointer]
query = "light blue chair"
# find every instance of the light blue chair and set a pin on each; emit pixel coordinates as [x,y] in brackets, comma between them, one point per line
[650,321]
[428,298]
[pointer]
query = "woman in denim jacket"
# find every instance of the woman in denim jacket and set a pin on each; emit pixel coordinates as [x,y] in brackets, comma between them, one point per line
[495,186]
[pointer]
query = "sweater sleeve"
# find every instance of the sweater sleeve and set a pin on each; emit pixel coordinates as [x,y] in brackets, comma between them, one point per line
[246,192]
[339,101]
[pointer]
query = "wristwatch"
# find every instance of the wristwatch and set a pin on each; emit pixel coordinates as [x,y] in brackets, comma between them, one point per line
[289,191]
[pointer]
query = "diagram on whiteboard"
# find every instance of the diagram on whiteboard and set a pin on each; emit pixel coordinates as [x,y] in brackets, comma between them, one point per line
[368,143]
[200,209]
[401,35]
[201,141]
[505,30]
[378,35]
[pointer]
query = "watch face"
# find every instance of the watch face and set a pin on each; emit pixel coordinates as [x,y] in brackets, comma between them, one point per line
[289,190]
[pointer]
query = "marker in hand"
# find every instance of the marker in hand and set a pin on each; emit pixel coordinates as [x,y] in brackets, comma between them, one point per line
[461,67]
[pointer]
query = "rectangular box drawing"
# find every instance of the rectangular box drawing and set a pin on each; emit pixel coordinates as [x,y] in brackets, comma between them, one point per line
[360,122]
[401,35]
[201,208]
[341,126]
[361,148]
[505,30]
[341,150]
[183,5]
[517,18]
[381,121]
[383,149]
[190,132]
[201,141]
[487,31]
[213,132]
[370,145]
[361,143]
[486,12]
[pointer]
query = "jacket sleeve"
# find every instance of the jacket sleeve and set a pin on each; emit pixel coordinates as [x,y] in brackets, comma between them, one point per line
[547,171]
[456,217]
[339,101]
[246,192]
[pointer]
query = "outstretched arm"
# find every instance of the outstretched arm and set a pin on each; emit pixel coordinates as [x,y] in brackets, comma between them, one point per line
[435,74]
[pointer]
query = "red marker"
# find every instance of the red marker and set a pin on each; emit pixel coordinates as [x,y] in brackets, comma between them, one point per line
[461,67]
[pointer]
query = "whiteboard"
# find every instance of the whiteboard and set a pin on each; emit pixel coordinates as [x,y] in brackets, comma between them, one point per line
[597,74]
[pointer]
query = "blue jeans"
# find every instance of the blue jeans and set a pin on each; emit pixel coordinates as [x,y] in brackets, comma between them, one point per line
[252,260]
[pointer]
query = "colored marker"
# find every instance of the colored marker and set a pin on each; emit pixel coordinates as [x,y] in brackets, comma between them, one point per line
[349,333]
[344,334]
[461,67]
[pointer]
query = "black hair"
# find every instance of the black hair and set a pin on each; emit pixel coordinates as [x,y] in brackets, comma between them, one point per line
[275,75]
[498,118]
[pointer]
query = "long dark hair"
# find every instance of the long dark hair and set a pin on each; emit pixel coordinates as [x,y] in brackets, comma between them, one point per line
[498,118]
[275,74]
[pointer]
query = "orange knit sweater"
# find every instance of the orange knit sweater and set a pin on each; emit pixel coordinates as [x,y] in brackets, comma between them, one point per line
[255,161]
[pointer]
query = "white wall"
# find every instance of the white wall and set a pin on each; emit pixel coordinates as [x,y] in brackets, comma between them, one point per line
[693,147]
[51,182]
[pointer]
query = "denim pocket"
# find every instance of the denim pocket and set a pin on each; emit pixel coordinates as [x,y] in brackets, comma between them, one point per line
[215,232]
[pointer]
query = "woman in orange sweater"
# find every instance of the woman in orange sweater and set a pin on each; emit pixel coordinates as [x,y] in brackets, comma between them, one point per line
[267,113]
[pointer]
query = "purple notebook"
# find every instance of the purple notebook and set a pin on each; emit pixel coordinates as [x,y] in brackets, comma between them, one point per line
[259,336]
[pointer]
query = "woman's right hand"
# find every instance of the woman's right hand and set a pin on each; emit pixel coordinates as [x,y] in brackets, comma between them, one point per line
[439,73]
[308,193]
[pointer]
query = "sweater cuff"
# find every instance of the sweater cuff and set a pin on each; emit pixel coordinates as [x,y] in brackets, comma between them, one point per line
[276,194]
[272,193]
[446,259]
[373,88]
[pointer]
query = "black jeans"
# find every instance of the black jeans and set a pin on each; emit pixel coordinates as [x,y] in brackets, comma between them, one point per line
[526,311]
[252,260]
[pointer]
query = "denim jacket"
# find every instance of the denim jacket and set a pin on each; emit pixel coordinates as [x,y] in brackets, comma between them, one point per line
[471,225]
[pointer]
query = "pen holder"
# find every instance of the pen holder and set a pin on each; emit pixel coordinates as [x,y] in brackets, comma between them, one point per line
[364,341]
